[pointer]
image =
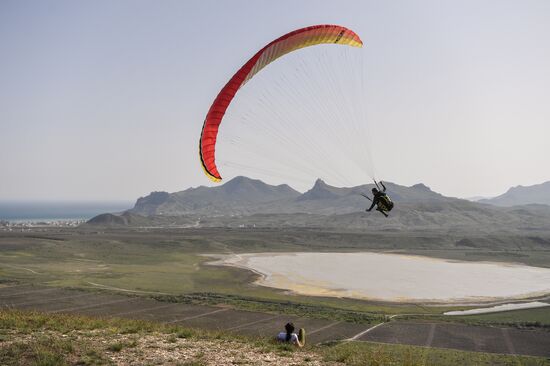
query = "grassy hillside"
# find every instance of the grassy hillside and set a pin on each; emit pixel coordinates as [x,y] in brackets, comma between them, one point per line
[31,338]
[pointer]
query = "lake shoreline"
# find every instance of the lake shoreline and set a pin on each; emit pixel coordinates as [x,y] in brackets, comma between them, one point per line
[318,287]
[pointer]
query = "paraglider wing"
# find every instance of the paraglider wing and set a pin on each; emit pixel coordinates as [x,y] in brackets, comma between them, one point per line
[305,37]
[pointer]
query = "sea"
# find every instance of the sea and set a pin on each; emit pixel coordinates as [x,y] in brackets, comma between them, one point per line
[19,211]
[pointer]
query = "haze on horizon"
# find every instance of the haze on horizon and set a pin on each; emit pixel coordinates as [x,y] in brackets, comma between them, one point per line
[105,100]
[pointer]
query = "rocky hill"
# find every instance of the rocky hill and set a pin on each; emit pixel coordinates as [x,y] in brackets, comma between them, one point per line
[245,202]
[520,195]
[239,195]
[245,196]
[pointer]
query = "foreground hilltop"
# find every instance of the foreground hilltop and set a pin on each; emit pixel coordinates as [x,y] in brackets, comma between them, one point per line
[34,338]
[248,202]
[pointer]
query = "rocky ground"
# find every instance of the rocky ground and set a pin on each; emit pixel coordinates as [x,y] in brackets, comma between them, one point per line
[96,347]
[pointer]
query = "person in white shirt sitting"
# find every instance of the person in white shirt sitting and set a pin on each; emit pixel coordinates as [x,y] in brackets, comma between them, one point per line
[290,337]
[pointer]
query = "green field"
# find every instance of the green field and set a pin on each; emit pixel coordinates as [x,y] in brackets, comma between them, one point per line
[367,353]
[530,317]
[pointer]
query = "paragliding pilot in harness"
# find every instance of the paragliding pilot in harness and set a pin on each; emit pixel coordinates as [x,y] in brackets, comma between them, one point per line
[380,199]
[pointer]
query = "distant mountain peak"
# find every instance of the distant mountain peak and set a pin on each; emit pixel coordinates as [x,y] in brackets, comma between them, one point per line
[238,195]
[241,182]
[319,183]
[156,198]
[320,190]
[545,185]
[421,186]
[522,195]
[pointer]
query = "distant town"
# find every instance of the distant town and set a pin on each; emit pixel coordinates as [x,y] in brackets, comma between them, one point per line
[28,225]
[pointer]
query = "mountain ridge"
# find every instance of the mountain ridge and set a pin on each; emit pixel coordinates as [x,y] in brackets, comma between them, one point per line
[522,195]
[243,201]
[242,195]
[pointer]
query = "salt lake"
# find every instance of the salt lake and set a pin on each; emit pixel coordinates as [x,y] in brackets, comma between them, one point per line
[393,277]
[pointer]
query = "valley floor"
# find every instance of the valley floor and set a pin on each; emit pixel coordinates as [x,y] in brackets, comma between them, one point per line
[415,332]
[160,275]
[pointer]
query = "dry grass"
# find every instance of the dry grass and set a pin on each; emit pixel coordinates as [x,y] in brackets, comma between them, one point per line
[40,339]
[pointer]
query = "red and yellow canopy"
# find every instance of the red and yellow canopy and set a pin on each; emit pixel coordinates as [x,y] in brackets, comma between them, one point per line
[305,37]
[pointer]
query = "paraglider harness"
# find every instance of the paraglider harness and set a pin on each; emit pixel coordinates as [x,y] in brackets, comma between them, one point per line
[381,200]
[384,202]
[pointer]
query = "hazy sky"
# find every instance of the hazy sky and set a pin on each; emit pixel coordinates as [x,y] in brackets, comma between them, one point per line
[106,99]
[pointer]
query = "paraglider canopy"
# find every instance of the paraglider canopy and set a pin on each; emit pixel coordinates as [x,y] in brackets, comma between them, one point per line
[304,37]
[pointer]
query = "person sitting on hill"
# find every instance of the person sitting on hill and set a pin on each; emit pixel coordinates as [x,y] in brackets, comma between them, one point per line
[381,200]
[290,337]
